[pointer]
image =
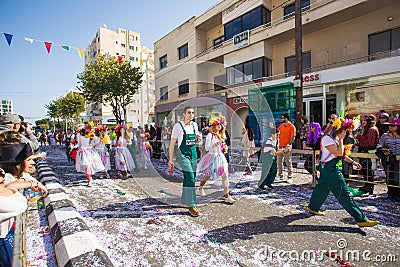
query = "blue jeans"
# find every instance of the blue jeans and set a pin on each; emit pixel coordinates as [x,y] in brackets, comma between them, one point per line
[6,248]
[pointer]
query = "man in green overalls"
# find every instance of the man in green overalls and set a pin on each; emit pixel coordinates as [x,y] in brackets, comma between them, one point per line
[186,133]
[268,155]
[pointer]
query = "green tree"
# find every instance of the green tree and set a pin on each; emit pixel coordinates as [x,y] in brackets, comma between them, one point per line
[66,107]
[110,82]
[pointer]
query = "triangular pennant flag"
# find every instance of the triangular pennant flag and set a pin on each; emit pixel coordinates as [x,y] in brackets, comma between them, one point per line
[94,54]
[80,52]
[132,58]
[29,40]
[107,56]
[48,46]
[9,38]
[66,47]
[119,59]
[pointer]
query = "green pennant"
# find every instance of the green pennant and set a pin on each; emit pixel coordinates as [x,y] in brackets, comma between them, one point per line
[132,58]
[65,47]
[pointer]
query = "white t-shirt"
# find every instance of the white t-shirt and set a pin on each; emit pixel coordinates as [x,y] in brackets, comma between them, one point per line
[10,207]
[325,154]
[177,131]
[9,178]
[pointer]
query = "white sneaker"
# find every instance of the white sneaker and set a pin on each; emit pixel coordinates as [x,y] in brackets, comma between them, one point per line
[290,180]
[229,200]
[279,177]
[201,192]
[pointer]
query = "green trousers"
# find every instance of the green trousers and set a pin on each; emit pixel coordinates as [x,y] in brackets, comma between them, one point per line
[268,171]
[332,180]
[188,166]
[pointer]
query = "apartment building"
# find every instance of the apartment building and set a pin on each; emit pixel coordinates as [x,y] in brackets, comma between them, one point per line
[126,44]
[351,58]
[6,106]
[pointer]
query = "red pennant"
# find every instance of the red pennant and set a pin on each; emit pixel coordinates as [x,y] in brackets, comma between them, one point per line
[119,59]
[48,46]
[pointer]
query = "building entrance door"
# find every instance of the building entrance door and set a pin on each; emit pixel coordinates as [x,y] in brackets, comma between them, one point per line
[314,109]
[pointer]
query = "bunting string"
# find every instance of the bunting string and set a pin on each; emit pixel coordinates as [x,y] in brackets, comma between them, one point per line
[48,45]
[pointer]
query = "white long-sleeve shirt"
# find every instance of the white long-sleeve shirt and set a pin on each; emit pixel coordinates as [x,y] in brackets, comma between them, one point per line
[10,207]
[209,145]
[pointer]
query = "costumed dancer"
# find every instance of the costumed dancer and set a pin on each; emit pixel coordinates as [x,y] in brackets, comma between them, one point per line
[123,158]
[268,155]
[214,162]
[186,133]
[331,177]
[145,149]
[88,160]
[99,141]
[67,140]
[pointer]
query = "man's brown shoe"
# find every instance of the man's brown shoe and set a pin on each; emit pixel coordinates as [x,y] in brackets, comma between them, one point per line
[194,212]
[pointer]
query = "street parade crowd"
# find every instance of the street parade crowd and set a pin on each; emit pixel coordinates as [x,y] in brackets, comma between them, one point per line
[97,149]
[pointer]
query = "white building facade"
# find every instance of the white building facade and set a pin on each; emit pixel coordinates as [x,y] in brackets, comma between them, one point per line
[126,44]
[351,57]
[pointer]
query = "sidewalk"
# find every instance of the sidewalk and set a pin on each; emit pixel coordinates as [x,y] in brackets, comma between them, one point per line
[138,222]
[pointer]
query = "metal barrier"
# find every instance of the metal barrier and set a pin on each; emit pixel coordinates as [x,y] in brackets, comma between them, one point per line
[308,159]
[19,249]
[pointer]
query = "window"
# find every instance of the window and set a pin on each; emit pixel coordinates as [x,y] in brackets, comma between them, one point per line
[248,21]
[164,92]
[131,47]
[131,37]
[183,87]
[163,62]
[289,10]
[218,41]
[290,63]
[248,71]
[123,45]
[183,51]
[384,41]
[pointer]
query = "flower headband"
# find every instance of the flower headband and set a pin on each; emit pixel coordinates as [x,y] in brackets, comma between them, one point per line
[119,126]
[350,124]
[214,121]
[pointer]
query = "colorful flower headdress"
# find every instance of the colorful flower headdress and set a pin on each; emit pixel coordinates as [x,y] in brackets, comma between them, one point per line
[350,124]
[89,126]
[119,126]
[214,121]
[147,135]
[102,129]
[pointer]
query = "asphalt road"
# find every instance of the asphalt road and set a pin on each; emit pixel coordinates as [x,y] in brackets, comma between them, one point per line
[139,222]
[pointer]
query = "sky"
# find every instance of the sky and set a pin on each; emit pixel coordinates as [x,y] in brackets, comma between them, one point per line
[32,78]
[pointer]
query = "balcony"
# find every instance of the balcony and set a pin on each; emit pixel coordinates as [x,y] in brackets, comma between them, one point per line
[322,14]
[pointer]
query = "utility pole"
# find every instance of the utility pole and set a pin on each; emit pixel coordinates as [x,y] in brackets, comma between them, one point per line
[299,64]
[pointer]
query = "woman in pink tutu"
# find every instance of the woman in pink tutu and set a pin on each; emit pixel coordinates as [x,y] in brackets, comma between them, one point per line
[123,158]
[87,160]
[99,140]
[214,162]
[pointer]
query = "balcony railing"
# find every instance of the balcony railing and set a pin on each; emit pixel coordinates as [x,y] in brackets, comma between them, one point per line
[351,61]
[312,7]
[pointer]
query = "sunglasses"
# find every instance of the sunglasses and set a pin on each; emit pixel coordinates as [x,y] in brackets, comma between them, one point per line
[282,118]
[190,112]
[393,125]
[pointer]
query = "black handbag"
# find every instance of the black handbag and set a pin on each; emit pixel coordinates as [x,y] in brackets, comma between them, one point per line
[389,158]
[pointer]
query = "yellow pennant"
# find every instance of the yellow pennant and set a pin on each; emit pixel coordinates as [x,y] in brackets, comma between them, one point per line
[80,52]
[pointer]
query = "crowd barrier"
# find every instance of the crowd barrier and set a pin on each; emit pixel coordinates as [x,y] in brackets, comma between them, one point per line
[19,250]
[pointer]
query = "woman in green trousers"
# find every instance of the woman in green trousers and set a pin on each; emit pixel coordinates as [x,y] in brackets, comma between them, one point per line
[331,177]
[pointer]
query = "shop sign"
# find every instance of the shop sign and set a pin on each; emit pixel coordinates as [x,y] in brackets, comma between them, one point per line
[241,39]
[240,100]
[311,78]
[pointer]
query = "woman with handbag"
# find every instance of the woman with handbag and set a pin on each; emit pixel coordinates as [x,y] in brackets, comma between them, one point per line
[388,149]
[331,176]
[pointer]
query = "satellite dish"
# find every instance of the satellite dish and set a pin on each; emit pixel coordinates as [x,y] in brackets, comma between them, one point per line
[104,26]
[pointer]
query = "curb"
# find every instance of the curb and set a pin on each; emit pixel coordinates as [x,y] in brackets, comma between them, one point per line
[74,244]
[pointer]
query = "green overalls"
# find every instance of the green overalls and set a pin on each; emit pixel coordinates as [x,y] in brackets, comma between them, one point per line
[331,179]
[187,159]
[268,173]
